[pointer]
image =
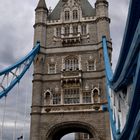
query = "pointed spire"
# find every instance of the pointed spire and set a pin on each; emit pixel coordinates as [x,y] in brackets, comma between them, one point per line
[41,4]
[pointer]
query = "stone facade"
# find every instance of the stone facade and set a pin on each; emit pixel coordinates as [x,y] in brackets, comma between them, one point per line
[69,78]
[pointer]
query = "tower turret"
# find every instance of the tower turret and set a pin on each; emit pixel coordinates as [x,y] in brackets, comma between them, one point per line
[103,28]
[40,31]
[102,19]
[41,14]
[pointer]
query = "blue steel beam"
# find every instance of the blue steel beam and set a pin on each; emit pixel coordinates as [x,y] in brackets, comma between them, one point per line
[29,58]
[109,75]
[136,128]
[131,69]
[135,105]
[129,65]
[127,68]
[131,25]
[34,51]
[109,72]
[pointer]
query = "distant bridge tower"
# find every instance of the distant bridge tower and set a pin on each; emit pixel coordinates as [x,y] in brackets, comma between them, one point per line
[69,78]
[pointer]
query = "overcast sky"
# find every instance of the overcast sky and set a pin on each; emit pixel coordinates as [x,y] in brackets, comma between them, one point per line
[16,39]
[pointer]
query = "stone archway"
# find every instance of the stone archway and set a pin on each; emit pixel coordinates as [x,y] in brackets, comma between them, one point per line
[61,129]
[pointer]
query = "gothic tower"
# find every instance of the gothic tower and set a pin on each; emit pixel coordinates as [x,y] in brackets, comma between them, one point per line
[69,76]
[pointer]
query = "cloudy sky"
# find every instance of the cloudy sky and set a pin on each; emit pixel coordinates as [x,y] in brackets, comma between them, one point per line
[16,39]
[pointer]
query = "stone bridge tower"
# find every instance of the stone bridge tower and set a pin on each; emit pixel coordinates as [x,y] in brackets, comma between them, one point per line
[69,78]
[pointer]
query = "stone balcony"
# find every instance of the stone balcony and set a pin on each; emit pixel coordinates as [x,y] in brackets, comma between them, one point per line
[71,78]
[71,74]
[71,38]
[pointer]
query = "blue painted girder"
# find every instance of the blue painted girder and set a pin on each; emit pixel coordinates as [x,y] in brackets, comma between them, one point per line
[130,29]
[26,62]
[130,73]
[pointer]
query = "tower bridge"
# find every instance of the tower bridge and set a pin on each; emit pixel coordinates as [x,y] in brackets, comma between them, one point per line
[70,69]
[74,88]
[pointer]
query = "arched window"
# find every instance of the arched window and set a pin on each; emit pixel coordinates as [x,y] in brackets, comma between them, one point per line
[67,15]
[75,14]
[71,63]
[48,97]
[95,95]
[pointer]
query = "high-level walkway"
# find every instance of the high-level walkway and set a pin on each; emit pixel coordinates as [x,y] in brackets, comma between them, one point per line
[123,87]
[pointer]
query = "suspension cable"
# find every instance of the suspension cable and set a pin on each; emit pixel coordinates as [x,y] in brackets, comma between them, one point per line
[22,136]
[16,114]
[3,118]
[25,113]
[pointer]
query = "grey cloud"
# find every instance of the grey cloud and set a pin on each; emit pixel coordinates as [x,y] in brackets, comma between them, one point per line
[16,29]
[12,110]
[16,37]
[6,45]
[118,13]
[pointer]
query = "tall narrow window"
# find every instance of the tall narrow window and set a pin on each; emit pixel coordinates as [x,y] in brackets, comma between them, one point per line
[67,15]
[56,98]
[95,95]
[75,29]
[71,63]
[84,29]
[52,68]
[91,65]
[75,14]
[58,31]
[86,97]
[48,97]
[71,96]
[67,30]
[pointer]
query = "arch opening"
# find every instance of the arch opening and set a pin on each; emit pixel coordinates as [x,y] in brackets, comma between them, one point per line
[76,136]
[70,136]
[59,130]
